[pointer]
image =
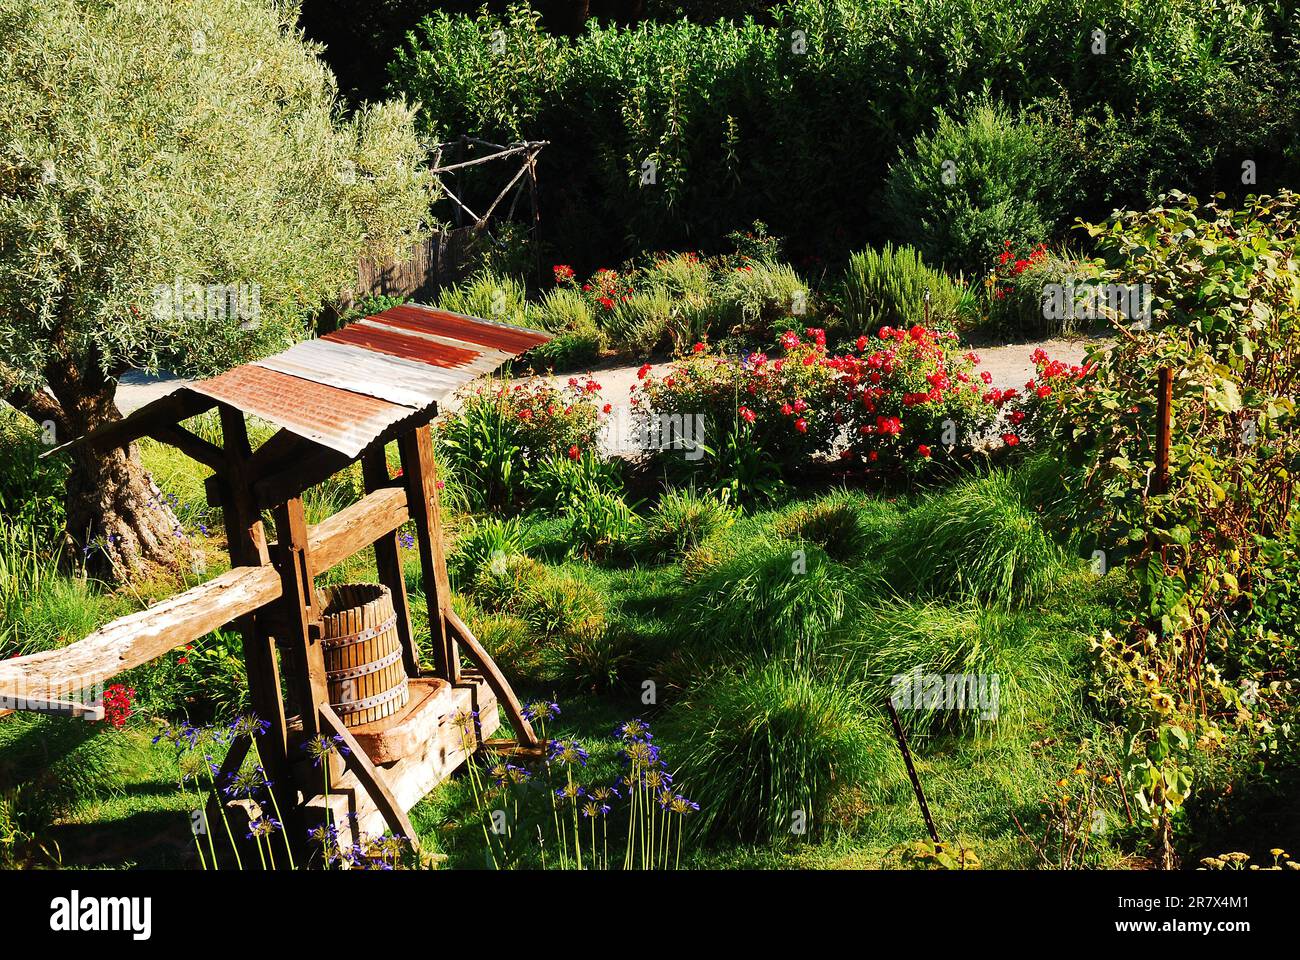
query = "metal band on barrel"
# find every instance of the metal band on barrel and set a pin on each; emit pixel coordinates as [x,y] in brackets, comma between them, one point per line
[356,706]
[346,640]
[351,673]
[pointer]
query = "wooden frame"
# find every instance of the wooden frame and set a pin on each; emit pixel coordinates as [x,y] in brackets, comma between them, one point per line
[269,595]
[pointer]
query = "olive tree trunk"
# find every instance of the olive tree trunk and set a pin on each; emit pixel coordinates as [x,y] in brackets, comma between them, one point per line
[117,520]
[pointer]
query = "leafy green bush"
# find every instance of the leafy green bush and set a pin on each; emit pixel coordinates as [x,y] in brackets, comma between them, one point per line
[736,121]
[845,526]
[1003,673]
[559,605]
[981,539]
[766,750]
[958,193]
[681,521]
[888,288]
[491,296]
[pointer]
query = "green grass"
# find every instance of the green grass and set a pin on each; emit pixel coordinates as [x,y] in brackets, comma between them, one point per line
[766,641]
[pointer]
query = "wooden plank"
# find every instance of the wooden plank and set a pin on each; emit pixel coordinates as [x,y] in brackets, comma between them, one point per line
[297,580]
[166,410]
[388,562]
[195,447]
[495,679]
[365,772]
[416,448]
[246,541]
[140,637]
[356,526]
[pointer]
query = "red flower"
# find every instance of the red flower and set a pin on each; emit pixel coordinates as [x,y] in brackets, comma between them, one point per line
[117,704]
[923,450]
[698,348]
[747,414]
[801,425]
[606,408]
[640,374]
[786,409]
[861,344]
[873,456]
[574,452]
[563,272]
[525,414]
[1010,439]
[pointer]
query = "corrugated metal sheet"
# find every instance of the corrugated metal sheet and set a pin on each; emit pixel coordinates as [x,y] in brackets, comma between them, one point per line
[345,389]
[390,378]
[340,419]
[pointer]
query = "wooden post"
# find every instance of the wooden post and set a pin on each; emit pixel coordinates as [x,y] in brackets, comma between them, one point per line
[416,448]
[247,544]
[388,561]
[1164,428]
[298,599]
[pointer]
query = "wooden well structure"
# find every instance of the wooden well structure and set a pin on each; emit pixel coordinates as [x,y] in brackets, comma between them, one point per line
[336,400]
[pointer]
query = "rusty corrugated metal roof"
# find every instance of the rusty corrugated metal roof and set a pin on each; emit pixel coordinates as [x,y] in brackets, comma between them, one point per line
[346,388]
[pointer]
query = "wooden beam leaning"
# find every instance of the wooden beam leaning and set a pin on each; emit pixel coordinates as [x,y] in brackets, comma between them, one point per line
[416,448]
[388,562]
[495,679]
[370,778]
[148,634]
[195,447]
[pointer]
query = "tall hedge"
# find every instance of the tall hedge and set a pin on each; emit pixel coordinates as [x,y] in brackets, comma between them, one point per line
[798,123]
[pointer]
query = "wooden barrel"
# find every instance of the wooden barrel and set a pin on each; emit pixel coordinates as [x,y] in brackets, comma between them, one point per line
[363,654]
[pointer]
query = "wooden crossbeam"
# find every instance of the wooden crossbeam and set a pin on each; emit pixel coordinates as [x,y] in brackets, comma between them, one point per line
[495,679]
[359,763]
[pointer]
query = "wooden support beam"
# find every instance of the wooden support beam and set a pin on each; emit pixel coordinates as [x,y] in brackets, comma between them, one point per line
[297,577]
[416,448]
[195,447]
[164,411]
[360,765]
[388,562]
[140,637]
[246,540]
[495,680]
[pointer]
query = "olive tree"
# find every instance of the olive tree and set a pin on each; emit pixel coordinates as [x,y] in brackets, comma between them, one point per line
[179,189]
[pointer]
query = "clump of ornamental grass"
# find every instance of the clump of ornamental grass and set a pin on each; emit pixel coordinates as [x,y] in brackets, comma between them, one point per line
[501,584]
[681,521]
[775,599]
[489,541]
[956,668]
[767,750]
[980,539]
[563,606]
[844,525]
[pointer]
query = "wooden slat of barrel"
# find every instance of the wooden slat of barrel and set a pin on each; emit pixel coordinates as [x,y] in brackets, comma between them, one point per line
[354,608]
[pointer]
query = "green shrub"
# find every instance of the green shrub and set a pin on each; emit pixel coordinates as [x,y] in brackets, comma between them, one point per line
[1017,674]
[981,539]
[762,296]
[491,296]
[681,521]
[766,749]
[774,599]
[598,662]
[502,430]
[559,605]
[503,587]
[578,341]
[559,483]
[40,607]
[959,193]
[599,525]
[490,542]
[843,525]
[513,643]
[888,288]
[645,320]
